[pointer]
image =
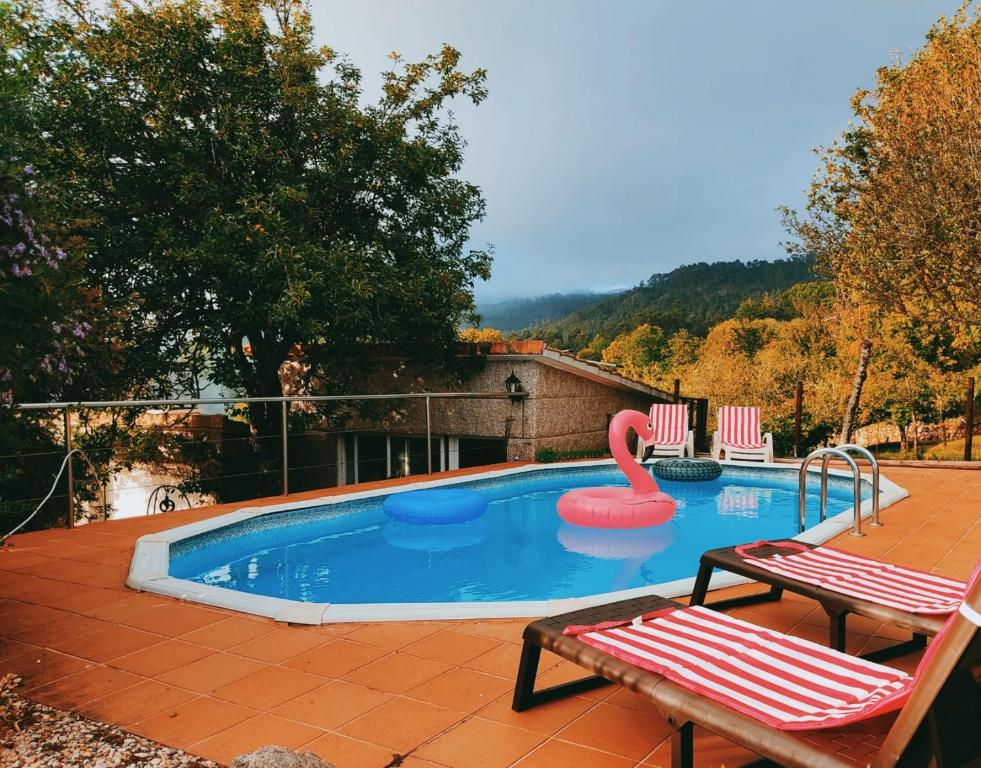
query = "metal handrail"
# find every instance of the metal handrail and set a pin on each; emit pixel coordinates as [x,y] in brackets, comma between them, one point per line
[278,399]
[67,407]
[856,483]
[867,455]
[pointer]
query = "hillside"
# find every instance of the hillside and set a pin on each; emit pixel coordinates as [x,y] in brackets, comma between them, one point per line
[517,314]
[695,296]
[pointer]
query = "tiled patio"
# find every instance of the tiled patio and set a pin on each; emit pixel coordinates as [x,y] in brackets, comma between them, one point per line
[218,684]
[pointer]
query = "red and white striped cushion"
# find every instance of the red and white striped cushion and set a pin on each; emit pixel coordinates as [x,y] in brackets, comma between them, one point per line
[670,422]
[739,427]
[884,583]
[786,682]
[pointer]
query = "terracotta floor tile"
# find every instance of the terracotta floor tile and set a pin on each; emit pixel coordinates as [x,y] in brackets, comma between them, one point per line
[174,619]
[124,607]
[135,703]
[279,645]
[332,705]
[61,631]
[160,658]
[393,635]
[546,719]
[478,743]
[108,643]
[618,730]
[192,721]
[69,692]
[249,735]
[462,689]
[229,632]
[211,672]
[503,661]
[336,658]
[561,753]
[344,752]
[401,724]
[269,687]
[85,599]
[452,647]
[396,673]
[506,631]
[42,666]
[10,649]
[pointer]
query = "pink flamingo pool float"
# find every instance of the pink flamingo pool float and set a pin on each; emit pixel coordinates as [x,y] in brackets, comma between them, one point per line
[640,505]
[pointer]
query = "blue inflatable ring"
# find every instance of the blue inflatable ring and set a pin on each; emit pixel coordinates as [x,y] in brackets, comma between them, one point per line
[435,506]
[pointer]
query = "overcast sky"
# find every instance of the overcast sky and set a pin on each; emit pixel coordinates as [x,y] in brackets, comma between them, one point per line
[629,137]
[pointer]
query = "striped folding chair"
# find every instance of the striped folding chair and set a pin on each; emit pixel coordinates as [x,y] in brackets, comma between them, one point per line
[671,434]
[738,435]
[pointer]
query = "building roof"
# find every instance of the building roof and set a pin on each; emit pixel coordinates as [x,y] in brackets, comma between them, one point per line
[603,373]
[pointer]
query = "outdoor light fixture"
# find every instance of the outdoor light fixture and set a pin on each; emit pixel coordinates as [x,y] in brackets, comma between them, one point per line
[513,386]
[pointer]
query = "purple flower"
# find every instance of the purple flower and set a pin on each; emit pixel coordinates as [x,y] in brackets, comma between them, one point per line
[59,254]
[28,170]
[56,327]
[79,331]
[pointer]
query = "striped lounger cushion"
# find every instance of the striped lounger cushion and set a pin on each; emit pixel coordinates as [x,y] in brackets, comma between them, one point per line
[739,427]
[670,422]
[783,681]
[883,583]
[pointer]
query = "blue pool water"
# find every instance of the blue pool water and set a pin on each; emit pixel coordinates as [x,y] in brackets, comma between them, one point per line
[351,552]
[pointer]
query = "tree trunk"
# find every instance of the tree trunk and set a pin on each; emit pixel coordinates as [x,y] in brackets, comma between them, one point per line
[916,439]
[851,409]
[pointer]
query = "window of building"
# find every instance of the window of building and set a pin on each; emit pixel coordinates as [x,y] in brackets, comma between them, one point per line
[364,457]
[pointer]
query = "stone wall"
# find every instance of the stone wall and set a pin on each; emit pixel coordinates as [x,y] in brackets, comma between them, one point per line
[562,410]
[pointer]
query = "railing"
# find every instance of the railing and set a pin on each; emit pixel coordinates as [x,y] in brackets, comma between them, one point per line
[856,487]
[67,461]
[867,455]
[66,410]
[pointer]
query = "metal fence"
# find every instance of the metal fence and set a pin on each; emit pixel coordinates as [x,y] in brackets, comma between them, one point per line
[163,494]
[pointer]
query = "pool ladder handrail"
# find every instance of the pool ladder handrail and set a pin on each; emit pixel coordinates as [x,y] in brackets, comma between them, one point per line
[841,452]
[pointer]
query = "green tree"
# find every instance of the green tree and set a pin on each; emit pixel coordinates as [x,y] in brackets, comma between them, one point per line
[638,351]
[895,210]
[239,198]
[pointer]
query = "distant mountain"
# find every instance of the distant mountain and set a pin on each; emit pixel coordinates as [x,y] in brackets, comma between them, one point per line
[516,314]
[695,297]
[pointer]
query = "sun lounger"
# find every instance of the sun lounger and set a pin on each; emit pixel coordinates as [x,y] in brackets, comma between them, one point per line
[671,434]
[760,689]
[842,583]
[738,435]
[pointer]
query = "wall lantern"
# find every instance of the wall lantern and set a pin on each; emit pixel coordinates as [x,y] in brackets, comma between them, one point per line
[513,386]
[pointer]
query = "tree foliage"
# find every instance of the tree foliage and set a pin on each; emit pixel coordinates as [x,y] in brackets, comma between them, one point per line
[238,196]
[894,213]
[694,297]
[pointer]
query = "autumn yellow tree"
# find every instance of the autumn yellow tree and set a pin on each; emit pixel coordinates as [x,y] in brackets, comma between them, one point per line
[477,335]
[894,214]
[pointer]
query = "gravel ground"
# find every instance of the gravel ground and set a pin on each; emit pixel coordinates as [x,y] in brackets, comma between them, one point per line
[37,736]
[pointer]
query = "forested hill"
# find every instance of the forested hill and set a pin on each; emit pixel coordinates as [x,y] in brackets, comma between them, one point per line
[696,297]
[517,314]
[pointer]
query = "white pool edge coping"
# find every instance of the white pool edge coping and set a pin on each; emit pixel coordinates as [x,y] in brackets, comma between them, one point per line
[149,568]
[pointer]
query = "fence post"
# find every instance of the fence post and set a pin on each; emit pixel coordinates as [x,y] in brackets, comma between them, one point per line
[677,390]
[286,448]
[429,440]
[70,478]
[798,412]
[969,419]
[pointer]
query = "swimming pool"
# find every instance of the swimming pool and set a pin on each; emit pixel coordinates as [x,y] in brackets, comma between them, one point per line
[345,558]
